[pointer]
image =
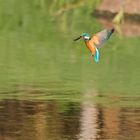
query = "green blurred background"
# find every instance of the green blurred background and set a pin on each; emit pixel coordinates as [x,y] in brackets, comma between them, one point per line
[50,87]
[37,51]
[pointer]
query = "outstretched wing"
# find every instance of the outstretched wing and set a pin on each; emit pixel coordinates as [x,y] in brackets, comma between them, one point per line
[101,37]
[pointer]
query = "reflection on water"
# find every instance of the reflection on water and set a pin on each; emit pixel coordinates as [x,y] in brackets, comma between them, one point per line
[55,120]
[88,119]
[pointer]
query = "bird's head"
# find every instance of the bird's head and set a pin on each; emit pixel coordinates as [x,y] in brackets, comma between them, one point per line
[85,36]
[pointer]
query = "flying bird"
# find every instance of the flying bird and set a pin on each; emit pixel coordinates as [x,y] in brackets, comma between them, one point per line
[96,41]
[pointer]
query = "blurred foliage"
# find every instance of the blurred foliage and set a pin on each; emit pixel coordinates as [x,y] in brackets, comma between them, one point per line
[118,19]
[60,6]
[37,50]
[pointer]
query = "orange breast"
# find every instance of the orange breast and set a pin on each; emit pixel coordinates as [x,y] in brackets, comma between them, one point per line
[90,47]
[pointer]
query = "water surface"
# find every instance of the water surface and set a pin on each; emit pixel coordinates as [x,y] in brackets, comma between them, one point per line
[50,87]
[52,120]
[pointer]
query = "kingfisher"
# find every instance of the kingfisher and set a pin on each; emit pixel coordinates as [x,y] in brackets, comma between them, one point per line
[96,41]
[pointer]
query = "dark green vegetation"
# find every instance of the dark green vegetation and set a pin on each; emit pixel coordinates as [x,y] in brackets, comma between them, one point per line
[37,53]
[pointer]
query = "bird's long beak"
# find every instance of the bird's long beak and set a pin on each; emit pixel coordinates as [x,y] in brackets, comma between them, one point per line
[77,38]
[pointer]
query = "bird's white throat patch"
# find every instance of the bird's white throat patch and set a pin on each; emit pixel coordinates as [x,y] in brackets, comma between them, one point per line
[86,37]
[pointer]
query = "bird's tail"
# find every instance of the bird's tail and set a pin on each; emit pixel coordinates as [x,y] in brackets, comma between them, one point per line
[96,56]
